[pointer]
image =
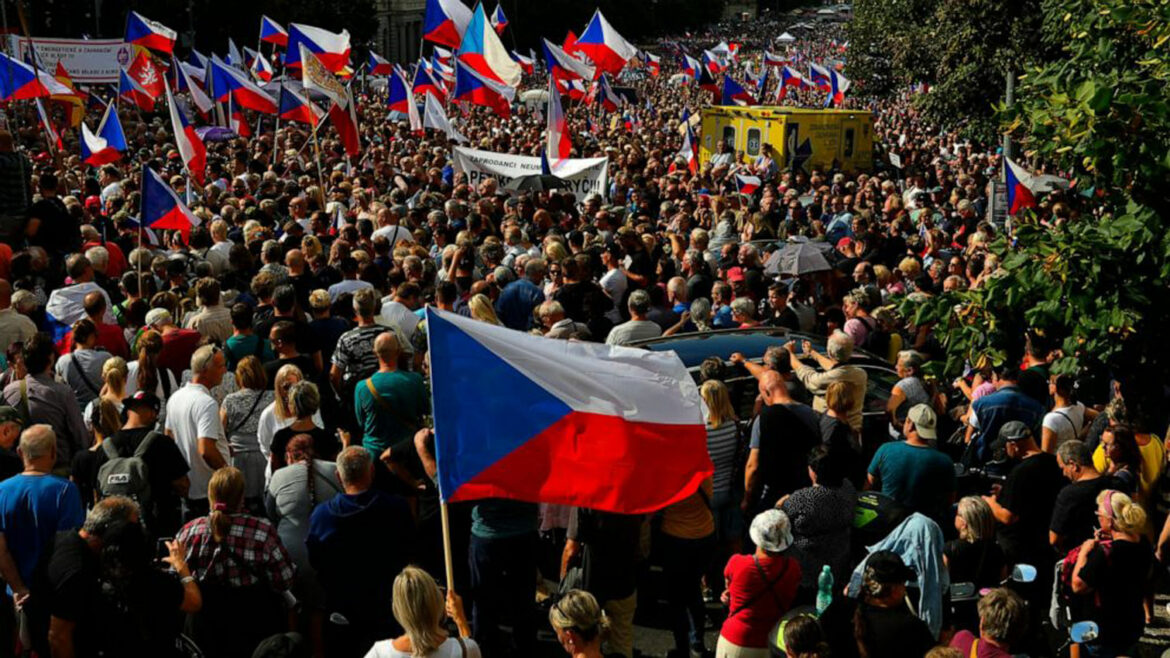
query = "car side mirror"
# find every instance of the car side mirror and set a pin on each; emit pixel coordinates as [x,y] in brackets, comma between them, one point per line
[1083,632]
[1024,573]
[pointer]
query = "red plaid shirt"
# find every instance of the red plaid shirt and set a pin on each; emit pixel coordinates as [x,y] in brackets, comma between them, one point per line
[250,554]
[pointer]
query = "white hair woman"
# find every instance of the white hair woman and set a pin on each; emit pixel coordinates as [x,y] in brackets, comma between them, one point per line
[418,607]
[579,623]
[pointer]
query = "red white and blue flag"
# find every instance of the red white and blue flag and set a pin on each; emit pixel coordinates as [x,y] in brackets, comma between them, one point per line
[559,144]
[109,142]
[18,81]
[398,94]
[713,63]
[482,50]
[574,89]
[191,148]
[331,48]
[499,20]
[445,22]
[762,84]
[733,93]
[606,98]
[654,64]
[610,428]
[472,87]
[237,121]
[526,63]
[378,65]
[141,31]
[819,76]
[838,85]
[193,86]
[689,150]
[789,77]
[563,66]
[772,59]
[273,32]
[226,80]
[130,90]
[295,107]
[425,83]
[161,206]
[691,66]
[608,50]
[259,65]
[1023,186]
[747,184]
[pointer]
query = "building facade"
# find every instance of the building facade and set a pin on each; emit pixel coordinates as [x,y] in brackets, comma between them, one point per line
[400,23]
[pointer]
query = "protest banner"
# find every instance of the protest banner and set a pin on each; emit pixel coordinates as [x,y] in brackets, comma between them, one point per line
[92,61]
[583,175]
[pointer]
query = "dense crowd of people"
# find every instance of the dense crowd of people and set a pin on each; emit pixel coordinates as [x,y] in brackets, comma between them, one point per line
[216,437]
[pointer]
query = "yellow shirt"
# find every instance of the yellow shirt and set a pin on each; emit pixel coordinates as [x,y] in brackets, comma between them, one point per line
[1153,461]
[690,518]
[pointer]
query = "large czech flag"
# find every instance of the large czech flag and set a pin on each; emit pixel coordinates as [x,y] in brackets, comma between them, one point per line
[141,31]
[471,87]
[191,148]
[399,95]
[564,66]
[107,145]
[482,50]
[445,22]
[18,81]
[331,48]
[161,207]
[295,107]
[228,80]
[602,44]
[528,418]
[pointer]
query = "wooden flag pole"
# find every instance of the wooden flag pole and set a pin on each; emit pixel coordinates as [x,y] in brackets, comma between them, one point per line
[448,563]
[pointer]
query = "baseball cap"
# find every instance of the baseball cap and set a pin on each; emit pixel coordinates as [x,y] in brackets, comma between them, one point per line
[10,415]
[925,420]
[887,567]
[93,202]
[844,242]
[771,531]
[143,399]
[735,274]
[1014,430]
[158,316]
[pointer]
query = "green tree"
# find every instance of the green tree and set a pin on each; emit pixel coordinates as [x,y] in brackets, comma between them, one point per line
[1096,284]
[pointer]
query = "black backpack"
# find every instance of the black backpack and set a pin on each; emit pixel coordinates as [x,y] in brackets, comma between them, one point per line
[126,475]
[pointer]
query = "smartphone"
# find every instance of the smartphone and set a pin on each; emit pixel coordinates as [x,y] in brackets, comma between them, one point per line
[160,548]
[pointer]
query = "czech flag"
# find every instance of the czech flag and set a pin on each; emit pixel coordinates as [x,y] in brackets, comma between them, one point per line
[398,96]
[237,122]
[654,63]
[610,428]
[838,85]
[690,151]
[446,21]
[191,148]
[602,44]
[1020,192]
[106,146]
[141,31]
[436,118]
[526,63]
[819,76]
[499,20]
[708,83]
[273,32]
[559,145]
[18,81]
[574,89]
[129,89]
[482,50]
[734,93]
[691,66]
[563,66]
[772,59]
[344,121]
[192,86]
[609,101]
[261,68]
[713,62]
[747,184]
[197,59]
[425,83]
[378,65]
[295,107]
[471,87]
[161,207]
[762,84]
[789,77]
[445,56]
[227,80]
[330,47]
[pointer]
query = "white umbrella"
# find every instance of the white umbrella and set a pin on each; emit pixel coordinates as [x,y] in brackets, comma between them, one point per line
[786,38]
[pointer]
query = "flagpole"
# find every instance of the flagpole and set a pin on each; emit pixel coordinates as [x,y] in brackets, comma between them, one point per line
[448,563]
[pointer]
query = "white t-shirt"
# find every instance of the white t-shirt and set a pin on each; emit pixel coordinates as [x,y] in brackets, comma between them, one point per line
[614,283]
[193,414]
[394,233]
[1066,422]
[132,387]
[449,649]
[397,315]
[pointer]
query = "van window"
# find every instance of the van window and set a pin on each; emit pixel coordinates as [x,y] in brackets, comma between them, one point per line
[849,142]
[753,141]
[729,138]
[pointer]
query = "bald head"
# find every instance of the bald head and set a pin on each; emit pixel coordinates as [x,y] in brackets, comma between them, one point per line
[770,382]
[387,348]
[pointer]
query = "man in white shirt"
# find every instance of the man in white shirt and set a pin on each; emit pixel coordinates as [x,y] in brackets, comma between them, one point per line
[193,422]
[398,311]
[614,281]
[389,227]
[221,247]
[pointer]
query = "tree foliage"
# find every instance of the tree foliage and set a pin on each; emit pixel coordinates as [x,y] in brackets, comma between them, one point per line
[1097,285]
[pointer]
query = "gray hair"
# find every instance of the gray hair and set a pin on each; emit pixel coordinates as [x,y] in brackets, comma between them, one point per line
[354,464]
[304,399]
[977,518]
[911,359]
[504,275]
[701,312]
[744,306]
[840,346]
[99,257]
[364,302]
[551,307]
[639,302]
[534,269]
[37,441]
[1075,452]
[202,359]
[109,512]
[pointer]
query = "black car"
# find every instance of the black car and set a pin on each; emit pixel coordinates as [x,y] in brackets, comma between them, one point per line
[693,348]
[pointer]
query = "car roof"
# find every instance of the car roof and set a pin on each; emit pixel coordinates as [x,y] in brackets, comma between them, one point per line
[692,348]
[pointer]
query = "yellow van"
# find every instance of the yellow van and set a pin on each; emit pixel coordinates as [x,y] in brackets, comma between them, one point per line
[794,137]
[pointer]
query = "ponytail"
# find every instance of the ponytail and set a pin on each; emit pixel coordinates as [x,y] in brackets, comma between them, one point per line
[298,450]
[225,492]
[149,347]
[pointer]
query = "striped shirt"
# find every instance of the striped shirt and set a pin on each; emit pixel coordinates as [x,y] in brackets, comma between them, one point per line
[354,354]
[722,445]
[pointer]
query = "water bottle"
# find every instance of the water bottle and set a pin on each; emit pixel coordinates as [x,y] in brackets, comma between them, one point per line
[824,589]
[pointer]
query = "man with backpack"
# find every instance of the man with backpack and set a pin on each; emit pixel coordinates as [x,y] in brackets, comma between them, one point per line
[145,465]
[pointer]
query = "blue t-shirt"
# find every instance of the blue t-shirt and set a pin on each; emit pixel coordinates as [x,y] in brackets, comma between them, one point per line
[33,508]
[919,477]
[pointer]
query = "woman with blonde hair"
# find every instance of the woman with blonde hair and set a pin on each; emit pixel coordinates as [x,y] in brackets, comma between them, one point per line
[482,310]
[145,373]
[974,557]
[723,445]
[114,374]
[243,570]
[579,624]
[418,607]
[1113,574]
[280,414]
